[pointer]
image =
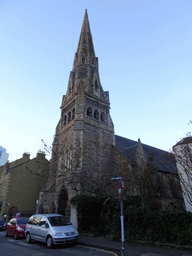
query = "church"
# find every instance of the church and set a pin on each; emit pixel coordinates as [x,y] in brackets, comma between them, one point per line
[86,153]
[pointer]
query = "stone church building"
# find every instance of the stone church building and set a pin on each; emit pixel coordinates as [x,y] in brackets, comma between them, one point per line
[86,153]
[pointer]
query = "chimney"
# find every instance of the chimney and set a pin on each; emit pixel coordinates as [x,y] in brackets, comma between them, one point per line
[26,155]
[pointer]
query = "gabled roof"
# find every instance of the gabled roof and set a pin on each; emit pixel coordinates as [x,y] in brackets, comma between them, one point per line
[164,161]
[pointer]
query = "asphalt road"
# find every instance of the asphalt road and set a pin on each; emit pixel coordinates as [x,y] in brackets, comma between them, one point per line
[10,247]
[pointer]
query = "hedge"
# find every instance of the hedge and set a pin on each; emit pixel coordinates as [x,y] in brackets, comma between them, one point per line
[100,215]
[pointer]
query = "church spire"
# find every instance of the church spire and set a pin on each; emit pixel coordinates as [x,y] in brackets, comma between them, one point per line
[85,51]
[85,75]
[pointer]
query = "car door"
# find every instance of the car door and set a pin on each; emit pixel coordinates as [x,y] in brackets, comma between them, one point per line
[33,226]
[12,227]
[42,229]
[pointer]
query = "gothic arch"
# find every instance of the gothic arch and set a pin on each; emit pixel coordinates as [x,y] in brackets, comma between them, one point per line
[83,59]
[65,120]
[96,114]
[89,111]
[73,114]
[69,117]
[96,85]
[62,200]
[65,154]
[53,207]
[102,117]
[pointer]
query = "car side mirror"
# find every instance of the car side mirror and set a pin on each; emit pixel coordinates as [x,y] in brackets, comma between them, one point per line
[43,226]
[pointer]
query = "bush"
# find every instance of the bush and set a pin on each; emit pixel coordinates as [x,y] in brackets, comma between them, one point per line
[97,214]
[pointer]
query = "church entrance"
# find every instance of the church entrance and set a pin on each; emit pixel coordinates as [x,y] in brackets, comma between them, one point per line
[62,201]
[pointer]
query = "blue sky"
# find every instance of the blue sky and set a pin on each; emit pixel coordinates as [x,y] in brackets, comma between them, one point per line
[145,62]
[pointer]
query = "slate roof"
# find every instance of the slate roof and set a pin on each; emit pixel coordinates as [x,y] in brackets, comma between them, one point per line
[164,161]
[186,140]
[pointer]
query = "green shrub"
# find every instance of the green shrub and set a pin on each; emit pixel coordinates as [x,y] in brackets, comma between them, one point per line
[97,214]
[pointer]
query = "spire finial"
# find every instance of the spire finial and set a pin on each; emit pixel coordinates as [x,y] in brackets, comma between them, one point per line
[85,50]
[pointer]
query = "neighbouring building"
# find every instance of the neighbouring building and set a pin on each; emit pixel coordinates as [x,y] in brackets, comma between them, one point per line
[183,155]
[86,153]
[3,156]
[21,182]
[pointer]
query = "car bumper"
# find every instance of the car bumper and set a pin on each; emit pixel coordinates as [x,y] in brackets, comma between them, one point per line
[20,234]
[65,240]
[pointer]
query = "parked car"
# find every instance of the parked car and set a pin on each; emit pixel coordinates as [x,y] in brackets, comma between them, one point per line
[51,229]
[2,224]
[16,227]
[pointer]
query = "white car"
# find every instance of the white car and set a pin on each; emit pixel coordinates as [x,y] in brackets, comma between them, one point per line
[50,229]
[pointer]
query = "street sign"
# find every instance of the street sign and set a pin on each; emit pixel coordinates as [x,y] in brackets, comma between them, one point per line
[120,190]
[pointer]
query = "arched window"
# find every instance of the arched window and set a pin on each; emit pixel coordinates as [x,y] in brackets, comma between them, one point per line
[103,117]
[96,114]
[96,85]
[83,60]
[53,207]
[89,112]
[69,117]
[62,118]
[73,115]
[65,120]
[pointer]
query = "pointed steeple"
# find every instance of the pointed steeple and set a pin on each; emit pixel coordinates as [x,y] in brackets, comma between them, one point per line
[85,51]
[85,72]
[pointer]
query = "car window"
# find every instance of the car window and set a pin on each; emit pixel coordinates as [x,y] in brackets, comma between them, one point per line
[30,220]
[22,221]
[13,221]
[1,219]
[43,221]
[59,221]
[34,220]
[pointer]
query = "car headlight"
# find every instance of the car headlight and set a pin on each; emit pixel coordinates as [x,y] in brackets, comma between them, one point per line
[59,234]
[20,229]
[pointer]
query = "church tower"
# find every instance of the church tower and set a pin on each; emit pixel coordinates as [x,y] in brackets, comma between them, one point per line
[84,135]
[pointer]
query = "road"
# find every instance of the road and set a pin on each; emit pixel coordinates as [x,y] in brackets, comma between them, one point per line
[10,247]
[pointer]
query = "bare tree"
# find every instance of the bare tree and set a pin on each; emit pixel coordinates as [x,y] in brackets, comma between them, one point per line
[144,182]
[183,154]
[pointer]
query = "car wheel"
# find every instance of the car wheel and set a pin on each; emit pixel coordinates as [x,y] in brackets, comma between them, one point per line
[6,233]
[49,242]
[28,238]
[15,236]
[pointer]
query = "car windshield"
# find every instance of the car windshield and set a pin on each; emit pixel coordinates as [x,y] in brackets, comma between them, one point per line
[59,221]
[22,221]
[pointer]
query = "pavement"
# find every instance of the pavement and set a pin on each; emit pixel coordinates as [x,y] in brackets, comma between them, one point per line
[132,249]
